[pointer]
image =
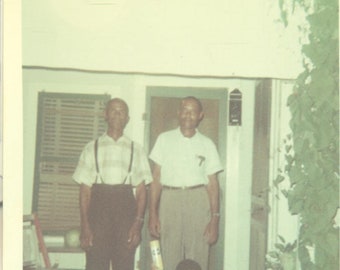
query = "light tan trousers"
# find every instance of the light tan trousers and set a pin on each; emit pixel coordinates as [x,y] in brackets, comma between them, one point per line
[184,215]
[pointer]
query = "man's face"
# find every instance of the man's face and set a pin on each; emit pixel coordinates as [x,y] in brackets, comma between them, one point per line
[189,114]
[117,115]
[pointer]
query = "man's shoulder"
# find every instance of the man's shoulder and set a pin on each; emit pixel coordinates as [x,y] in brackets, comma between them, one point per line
[90,143]
[169,133]
[137,145]
[88,148]
[100,139]
[205,138]
[202,136]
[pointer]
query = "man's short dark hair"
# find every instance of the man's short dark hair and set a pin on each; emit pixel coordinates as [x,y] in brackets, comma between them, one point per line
[119,100]
[199,103]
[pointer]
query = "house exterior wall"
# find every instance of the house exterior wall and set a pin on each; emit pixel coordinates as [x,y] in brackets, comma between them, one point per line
[132,88]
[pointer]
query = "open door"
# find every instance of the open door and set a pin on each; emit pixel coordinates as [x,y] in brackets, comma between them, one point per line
[161,115]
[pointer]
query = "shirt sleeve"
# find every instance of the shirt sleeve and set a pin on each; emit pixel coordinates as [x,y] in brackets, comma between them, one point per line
[213,164]
[85,172]
[156,154]
[141,169]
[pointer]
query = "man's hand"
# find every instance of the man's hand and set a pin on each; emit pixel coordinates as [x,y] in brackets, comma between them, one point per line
[154,226]
[211,231]
[135,234]
[86,238]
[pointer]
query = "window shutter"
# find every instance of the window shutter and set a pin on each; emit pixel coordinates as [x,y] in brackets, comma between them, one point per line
[66,122]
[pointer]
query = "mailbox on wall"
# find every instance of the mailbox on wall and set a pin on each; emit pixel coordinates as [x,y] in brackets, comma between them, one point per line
[235,108]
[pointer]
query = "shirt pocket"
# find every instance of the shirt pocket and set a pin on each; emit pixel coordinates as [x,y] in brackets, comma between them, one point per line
[200,160]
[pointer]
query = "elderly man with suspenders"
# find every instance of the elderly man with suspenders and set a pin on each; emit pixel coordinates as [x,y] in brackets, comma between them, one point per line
[111,211]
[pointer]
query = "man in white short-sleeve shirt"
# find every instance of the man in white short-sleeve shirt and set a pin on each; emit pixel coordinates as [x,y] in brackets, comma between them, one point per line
[108,171]
[184,197]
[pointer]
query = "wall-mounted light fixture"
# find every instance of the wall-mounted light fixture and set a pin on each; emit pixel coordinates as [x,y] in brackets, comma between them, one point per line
[235,108]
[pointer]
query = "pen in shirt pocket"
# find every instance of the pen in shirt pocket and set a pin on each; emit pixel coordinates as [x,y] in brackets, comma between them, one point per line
[201,159]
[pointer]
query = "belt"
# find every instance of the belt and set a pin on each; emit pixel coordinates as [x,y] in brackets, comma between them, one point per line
[178,188]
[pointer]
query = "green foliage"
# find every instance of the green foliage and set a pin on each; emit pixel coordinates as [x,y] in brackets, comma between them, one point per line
[277,259]
[313,168]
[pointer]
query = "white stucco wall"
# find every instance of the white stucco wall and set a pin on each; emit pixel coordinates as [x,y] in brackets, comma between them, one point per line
[201,37]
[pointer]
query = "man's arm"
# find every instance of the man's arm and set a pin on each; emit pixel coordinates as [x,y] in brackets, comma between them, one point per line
[84,201]
[141,200]
[155,193]
[135,231]
[211,231]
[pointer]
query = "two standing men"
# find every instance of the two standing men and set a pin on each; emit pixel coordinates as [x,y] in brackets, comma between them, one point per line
[184,193]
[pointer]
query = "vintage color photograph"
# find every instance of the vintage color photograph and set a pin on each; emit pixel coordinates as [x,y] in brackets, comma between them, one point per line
[171,135]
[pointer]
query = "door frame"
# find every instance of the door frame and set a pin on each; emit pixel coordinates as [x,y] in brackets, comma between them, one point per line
[260,175]
[216,93]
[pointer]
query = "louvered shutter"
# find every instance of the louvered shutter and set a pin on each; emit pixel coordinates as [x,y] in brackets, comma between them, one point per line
[66,122]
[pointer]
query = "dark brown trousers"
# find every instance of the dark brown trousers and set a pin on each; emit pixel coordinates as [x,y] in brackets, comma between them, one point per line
[111,214]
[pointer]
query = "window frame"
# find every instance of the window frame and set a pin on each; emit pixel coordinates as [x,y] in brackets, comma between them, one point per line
[101,99]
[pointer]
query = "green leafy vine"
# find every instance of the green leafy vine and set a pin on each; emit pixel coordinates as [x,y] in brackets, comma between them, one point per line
[313,165]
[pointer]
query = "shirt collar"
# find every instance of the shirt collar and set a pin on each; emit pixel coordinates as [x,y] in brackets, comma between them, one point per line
[179,133]
[122,139]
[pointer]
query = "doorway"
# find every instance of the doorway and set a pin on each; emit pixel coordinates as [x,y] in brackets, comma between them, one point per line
[161,115]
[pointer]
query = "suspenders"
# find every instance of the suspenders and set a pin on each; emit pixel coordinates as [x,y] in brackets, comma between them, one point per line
[95,155]
[96,160]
